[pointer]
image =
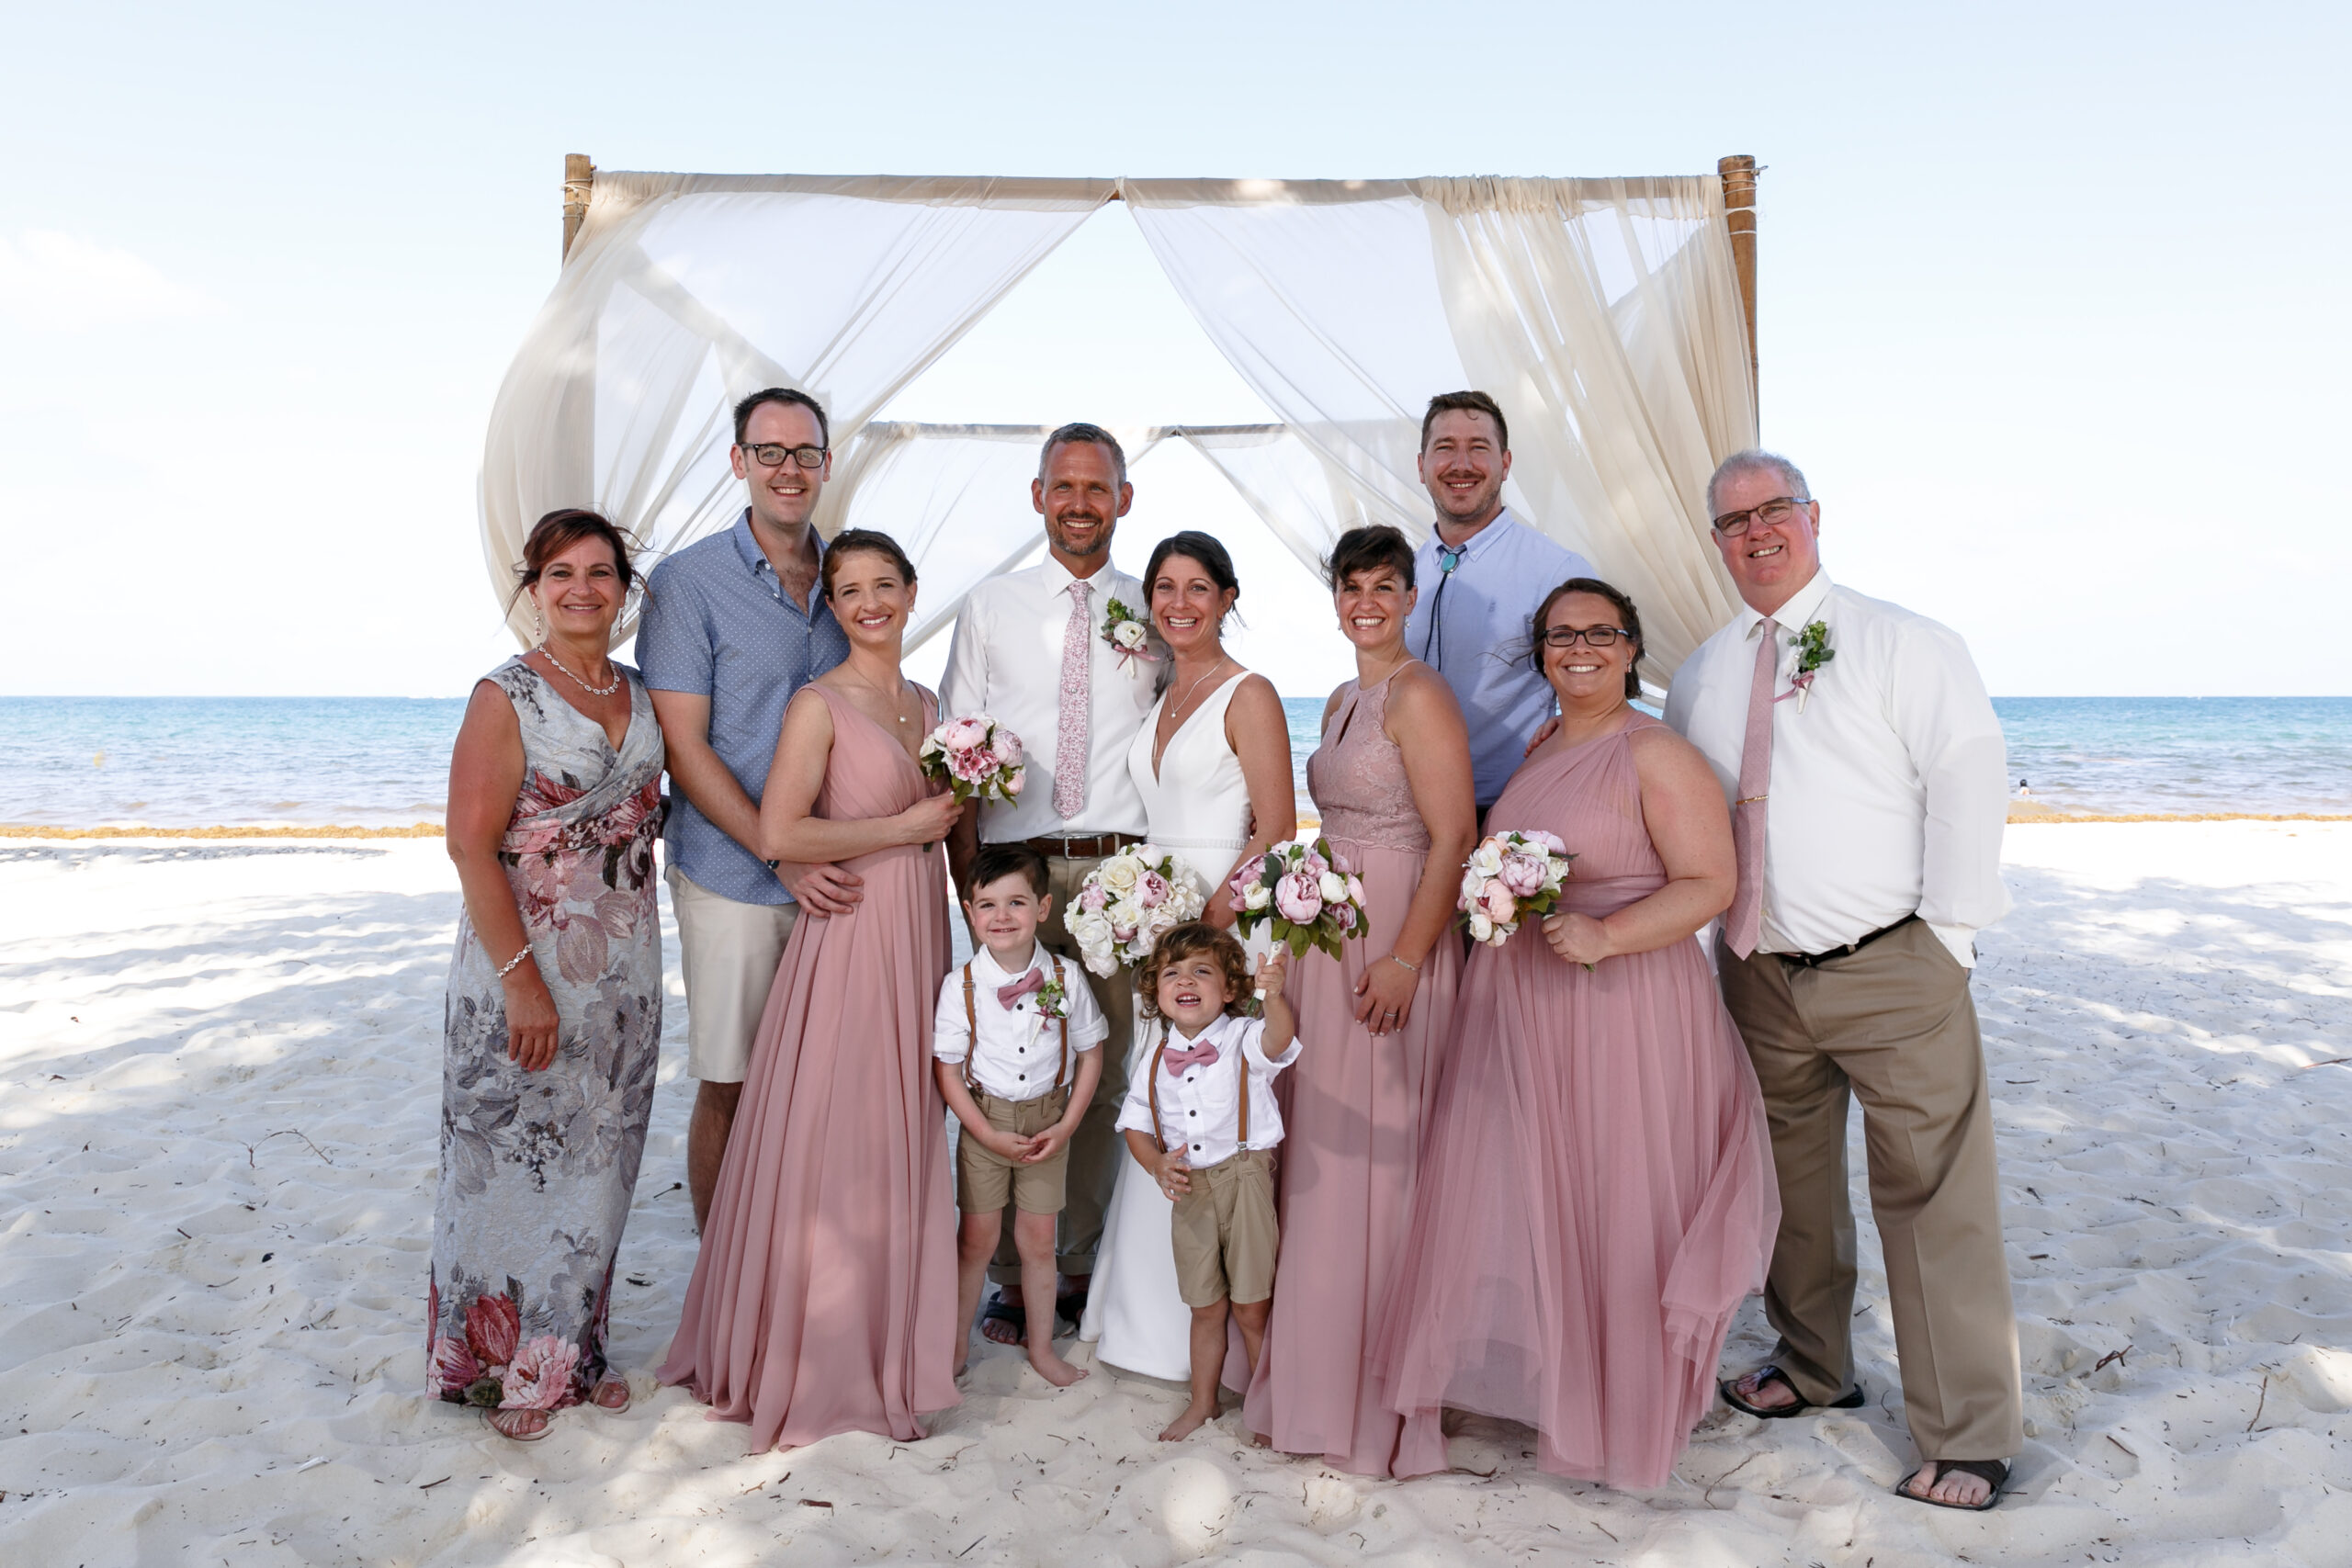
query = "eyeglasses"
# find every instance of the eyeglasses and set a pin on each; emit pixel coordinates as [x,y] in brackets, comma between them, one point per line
[770,455]
[1772,514]
[1592,637]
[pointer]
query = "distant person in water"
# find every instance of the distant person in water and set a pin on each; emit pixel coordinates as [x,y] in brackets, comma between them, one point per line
[555,998]
[734,628]
[1866,773]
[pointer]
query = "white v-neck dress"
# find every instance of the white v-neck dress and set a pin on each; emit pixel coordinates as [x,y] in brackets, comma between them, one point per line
[1197,804]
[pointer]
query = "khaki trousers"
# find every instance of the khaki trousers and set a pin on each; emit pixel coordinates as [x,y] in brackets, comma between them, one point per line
[1097,1149]
[727,951]
[1893,1026]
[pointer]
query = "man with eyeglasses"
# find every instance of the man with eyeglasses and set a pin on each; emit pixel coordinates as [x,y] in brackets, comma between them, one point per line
[734,626]
[1868,784]
[1482,574]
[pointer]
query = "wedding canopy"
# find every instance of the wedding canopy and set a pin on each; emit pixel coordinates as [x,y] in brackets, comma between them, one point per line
[1612,318]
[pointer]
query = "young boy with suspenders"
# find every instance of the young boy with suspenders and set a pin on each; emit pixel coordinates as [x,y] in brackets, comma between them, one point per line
[1016,1041]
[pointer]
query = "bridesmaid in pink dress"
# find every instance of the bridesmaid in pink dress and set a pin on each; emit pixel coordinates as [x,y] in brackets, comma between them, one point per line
[1597,1194]
[1356,1105]
[823,1299]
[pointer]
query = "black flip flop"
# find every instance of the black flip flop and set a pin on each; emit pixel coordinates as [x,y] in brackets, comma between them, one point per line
[1071,1309]
[1780,1413]
[1993,1472]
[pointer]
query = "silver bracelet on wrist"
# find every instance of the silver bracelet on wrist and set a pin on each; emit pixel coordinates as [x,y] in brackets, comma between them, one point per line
[1416,968]
[508,968]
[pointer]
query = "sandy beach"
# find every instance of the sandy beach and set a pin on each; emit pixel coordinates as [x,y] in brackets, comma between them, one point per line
[220,1069]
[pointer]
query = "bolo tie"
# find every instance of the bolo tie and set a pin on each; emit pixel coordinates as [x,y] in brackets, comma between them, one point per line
[1448,557]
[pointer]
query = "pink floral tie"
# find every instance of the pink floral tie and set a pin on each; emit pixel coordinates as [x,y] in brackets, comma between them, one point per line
[1745,923]
[1069,736]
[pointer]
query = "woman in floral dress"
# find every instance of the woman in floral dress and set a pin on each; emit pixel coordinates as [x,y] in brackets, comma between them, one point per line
[554,1022]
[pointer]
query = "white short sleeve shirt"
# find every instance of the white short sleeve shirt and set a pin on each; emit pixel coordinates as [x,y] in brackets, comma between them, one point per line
[1200,1106]
[1019,1047]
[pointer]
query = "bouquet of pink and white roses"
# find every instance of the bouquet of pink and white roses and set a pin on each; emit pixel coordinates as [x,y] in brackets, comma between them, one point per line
[1127,903]
[974,757]
[1511,876]
[1305,891]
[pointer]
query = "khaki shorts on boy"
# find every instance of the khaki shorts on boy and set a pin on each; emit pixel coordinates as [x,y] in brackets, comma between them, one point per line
[985,1180]
[1225,1232]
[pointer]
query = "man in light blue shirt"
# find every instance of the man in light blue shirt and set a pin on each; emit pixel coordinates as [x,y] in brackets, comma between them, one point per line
[1482,573]
[734,628]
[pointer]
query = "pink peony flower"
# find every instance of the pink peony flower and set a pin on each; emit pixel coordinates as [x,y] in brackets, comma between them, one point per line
[1014,782]
[1523,874]
[1313,865]
[1497,902]
[964,735]
[540,1375]
[1355,887]
[1123,934]
[1552,841]
[1151,890]
[969,766]
[1007,747]
[454,1367]
[1092,898]
[1297,898]
[492,1328]
[1347,916]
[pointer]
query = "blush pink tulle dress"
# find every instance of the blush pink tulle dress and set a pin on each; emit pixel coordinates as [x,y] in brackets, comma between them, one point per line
[1597,1194]
[823,1299]
[1355,1108]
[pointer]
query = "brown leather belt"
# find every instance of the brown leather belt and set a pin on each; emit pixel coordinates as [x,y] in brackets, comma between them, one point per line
[1091,848]
[1816,960]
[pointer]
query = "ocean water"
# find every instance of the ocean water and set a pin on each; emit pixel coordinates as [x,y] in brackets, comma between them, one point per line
[383,762]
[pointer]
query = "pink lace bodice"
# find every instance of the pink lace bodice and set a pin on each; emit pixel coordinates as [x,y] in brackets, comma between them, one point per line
[1357,775]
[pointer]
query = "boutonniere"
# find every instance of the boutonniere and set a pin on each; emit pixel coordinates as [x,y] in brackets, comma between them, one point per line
[1813,652]
[1053,999]
[1129,635]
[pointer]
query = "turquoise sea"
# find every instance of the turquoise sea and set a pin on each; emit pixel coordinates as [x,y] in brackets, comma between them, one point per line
[382,761]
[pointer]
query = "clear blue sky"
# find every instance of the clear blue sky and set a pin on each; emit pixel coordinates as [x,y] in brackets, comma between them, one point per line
[2053,309]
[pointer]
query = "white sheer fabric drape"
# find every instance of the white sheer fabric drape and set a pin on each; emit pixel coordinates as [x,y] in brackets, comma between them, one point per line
[1603,314]
[1298,494]
[683,292]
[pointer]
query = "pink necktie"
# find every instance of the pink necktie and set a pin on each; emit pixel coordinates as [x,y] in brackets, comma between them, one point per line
[1198,1055]
[1745,921]
[1011,991]
[1069,736]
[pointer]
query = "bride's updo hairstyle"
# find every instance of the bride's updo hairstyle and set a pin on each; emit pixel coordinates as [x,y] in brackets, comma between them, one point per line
[1194,545]
[1599,590]
[848,541]
[1368,549]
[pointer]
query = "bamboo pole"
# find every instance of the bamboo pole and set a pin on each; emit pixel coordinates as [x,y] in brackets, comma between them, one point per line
[579,180]
[1738,174]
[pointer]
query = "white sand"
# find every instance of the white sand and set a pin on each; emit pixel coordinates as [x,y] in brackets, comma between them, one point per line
[218,1090]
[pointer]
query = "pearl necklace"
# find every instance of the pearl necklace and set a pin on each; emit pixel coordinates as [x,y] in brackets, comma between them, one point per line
[591,691]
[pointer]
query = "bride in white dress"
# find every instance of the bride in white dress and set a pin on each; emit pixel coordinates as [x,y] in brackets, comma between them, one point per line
[1213,763]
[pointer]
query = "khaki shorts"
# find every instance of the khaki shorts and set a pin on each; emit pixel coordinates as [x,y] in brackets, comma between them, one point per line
[1225,1232]
[986,1181]
[729,951]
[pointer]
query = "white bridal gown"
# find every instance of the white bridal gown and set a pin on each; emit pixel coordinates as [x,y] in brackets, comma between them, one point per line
[1197,805]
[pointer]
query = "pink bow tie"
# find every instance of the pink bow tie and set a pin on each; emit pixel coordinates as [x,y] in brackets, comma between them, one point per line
[1201,1055]
[1029,984]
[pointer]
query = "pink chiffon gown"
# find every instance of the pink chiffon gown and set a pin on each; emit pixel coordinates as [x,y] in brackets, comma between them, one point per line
[1597,1194]
[1355,1110]
[823,1299]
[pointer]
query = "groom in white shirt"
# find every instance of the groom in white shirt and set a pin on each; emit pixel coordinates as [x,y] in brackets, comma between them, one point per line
[1031,651]
[1866,770]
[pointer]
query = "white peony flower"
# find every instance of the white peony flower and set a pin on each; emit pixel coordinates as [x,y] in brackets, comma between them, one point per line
[1481,929]
[1486,859]
[1258,896]
[1333,887]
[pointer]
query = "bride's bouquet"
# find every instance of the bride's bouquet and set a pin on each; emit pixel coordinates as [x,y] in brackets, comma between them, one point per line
[1127,903]
[974,757]
[1511,876]
[1304,890]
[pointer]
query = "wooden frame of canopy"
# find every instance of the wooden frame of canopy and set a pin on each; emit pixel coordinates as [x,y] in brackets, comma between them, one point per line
[1737,171]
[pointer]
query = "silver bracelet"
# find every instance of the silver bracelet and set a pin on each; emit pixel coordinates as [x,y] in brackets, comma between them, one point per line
[1416,968]
[508,968]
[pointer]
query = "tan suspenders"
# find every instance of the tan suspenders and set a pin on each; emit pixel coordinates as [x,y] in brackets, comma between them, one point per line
[972,1025]
[1151,1082]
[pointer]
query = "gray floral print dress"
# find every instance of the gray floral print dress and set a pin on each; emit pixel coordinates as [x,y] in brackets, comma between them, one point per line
[537,1168]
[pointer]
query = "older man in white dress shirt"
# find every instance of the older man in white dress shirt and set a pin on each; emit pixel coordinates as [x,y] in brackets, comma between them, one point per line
[1031,651]
[1866,770]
